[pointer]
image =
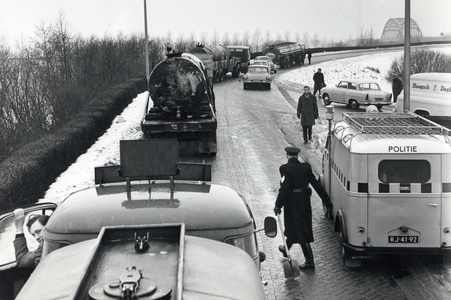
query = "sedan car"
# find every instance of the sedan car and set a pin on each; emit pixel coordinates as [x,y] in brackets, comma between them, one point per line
[355,92]
[268,59]
[257,75]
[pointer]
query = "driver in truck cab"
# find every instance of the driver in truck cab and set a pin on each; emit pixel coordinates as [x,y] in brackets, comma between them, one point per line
[36,226]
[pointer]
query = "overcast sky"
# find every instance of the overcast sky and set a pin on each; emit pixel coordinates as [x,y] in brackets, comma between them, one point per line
[337,19]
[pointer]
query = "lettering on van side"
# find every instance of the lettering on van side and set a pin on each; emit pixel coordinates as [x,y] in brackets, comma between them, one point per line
[420,87]
[402,149]
[444,89]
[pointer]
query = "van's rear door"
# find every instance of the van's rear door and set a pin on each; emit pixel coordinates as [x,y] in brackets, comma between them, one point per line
[404,204]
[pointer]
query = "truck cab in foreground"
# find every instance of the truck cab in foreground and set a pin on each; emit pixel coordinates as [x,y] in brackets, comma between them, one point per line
[388,177]
[145,262]
[149,187]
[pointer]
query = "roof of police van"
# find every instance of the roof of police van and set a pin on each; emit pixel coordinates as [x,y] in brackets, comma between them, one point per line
[387,133]
[212,270]
[199,206]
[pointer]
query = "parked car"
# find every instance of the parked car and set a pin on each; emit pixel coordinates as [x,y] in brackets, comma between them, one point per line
[268,59]
[257,75]
[355,92]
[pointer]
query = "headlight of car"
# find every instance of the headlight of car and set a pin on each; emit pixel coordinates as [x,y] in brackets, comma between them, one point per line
[268,77]
[246,77]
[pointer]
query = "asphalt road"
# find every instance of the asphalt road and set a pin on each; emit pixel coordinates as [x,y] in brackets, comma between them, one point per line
[254,126]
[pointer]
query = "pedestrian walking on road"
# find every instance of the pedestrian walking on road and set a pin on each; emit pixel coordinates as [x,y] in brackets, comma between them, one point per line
[309,55]
[397,88]
[318,79]
[307,111]
[294,198]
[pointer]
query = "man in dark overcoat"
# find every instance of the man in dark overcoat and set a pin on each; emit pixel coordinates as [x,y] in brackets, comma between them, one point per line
[318,79]
[307,111]
[397,88]
[294,197]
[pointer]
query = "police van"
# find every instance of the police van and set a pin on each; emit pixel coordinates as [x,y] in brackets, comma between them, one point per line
[389,178]
[430,96]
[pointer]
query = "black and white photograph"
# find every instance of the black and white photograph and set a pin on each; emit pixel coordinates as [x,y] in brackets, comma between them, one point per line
[235,150]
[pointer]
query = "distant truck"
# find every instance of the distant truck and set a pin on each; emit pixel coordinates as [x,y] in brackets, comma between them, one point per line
[243,54]
[181,102]
[149,187]
[145,262]
[223,60]
[286,54]
[430,97]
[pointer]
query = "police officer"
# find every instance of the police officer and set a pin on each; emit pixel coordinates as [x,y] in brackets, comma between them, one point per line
[294,196]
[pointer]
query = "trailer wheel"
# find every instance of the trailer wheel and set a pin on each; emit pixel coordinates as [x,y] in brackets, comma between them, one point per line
[354,104]
[346,255]
[326,99]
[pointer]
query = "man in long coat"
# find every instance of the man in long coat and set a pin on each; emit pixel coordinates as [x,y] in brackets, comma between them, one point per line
[318,79]
[397,88]
[294,197]
[307,112]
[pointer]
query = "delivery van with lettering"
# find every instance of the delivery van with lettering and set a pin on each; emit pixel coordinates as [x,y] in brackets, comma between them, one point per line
[430,96]
[389,179]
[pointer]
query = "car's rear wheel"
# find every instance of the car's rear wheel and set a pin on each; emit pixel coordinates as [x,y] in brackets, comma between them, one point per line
[354,104]
[326,99]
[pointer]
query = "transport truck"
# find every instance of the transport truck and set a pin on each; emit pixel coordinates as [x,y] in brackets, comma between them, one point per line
[145,262]
[286,54]
[430,97]
[149,187]
[222,60]
[244,56]
[181,102]
[388,177]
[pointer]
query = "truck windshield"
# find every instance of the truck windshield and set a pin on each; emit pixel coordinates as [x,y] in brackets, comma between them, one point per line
[404,171]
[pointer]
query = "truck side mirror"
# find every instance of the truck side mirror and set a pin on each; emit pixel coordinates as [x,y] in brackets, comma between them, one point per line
[270,227]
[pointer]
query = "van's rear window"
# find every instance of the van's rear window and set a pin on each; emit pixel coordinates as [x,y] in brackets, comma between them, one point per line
[404,171]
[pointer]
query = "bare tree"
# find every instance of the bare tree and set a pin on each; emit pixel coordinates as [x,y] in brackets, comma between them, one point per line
[203,38]
[246,38]
[315,40]
[215,38]
[236,39]
[256,39]
[287,36]
[226,39]
[297,37]
[306,38]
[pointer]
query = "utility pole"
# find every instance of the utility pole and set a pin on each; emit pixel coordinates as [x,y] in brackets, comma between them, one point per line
[146,43]
[407,56]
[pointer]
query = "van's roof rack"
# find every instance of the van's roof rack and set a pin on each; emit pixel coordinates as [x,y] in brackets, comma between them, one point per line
[393,123]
